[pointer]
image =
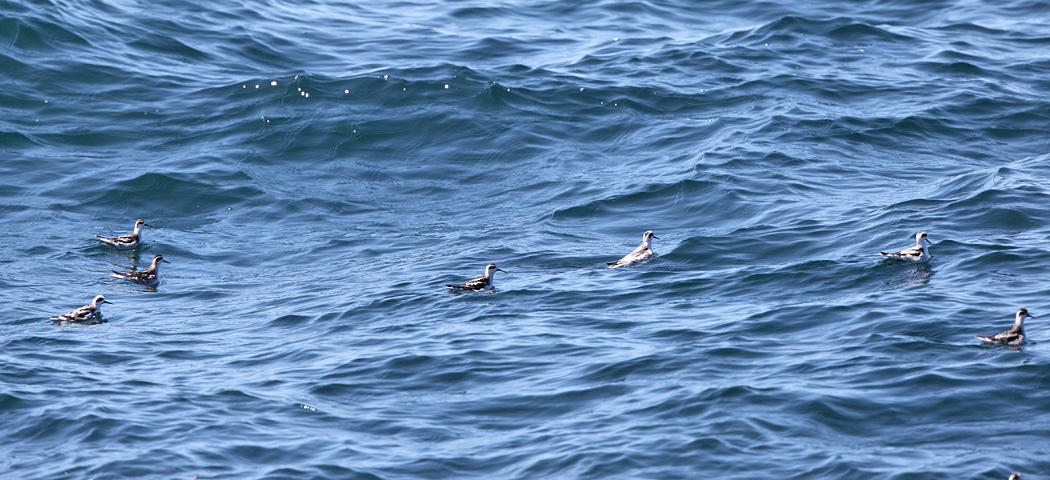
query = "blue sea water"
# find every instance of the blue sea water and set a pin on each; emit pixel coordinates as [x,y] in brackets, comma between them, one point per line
[315,171]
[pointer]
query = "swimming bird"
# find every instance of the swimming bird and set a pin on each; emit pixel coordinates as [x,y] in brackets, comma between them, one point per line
[915,253]
[85,313]
[642,253]
[480,283]
[1014,476]
[1013,336]
[125,242]
[147,276]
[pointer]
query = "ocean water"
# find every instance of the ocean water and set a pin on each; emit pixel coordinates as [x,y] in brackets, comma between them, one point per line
[315,171]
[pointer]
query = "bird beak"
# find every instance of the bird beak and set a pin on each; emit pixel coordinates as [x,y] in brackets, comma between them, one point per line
[501,270]
[165,261]
[654,236]
[147,225]
[106,301]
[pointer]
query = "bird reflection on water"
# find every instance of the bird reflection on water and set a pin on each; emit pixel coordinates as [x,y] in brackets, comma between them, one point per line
[920,274]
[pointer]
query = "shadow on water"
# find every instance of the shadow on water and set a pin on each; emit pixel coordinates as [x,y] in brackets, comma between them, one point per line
[919,274]
[124,266]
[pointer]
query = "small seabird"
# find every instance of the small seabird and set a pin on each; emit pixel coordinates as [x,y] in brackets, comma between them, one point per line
[915,253]
[85,313]
[642,253]
[1014,476]
[147,276]
[125,242]
[1013,336]
[480,283]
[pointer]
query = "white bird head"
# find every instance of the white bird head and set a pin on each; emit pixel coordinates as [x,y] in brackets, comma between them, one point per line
[919,237]
[1021,315]
[492,266]
[97,300]
[648,235]
[159,258]
[141,223]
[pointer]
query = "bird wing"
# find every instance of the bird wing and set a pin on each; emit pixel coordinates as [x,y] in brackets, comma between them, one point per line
[475,284]
[639,254]
[147,275]
[1008,336]
[911,252]
[638,251]
[121,240]
[78,314]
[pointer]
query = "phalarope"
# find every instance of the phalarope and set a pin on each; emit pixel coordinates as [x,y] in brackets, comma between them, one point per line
[85,313]
[147,276]
[1013,336]
[915,253]
[125,242]
[642,253]
[1014,476]
[480,283]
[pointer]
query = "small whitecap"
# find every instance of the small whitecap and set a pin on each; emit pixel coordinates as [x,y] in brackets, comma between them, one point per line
[386,77]
[273,83]
[446,86]
[347,91]
[256,85]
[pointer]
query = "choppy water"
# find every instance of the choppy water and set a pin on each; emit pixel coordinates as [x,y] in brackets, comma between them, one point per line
[315,171]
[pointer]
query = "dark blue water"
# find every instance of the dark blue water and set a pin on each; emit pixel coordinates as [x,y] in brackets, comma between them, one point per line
[316,171]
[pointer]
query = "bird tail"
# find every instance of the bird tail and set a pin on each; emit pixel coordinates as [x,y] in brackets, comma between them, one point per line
[984,339]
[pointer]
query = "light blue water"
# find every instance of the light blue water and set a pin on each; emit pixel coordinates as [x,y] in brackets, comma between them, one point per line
[316,171]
